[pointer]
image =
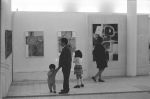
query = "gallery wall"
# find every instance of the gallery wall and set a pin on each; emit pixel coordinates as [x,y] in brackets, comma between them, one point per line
[50,24]
[6,62]
[143,41]
[35,68]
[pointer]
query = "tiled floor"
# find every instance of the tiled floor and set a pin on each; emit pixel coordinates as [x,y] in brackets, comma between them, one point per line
[139,95]
[110,89]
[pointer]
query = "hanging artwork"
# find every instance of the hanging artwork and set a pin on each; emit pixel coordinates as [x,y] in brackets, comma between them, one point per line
[109,33]
[70,35]
[34,43]
[149,50]
[8,43]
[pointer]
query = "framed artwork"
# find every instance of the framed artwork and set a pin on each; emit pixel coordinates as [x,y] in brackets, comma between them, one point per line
[149,51]
[8,43]
[34,43]
[70,35]
[109,33]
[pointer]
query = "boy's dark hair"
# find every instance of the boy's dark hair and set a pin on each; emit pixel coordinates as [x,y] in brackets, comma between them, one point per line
[52,66]
[64,40]
[78,53]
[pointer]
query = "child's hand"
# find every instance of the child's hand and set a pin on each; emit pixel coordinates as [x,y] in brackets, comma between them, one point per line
[58,69]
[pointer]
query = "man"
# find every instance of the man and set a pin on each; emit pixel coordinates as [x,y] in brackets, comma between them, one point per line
[65,59]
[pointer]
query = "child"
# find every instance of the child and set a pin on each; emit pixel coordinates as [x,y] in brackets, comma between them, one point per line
[78,68]
[51,77]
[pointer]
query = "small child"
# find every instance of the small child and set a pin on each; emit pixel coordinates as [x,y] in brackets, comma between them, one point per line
[78,68]
[51,77]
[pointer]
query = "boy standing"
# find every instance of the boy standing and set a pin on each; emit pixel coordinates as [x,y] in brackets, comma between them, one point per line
[51,77]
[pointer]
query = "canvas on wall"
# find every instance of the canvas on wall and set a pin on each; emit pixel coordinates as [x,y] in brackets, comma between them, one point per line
[149,51]
[70,35]
[109,33]
[8,43]
[34,43]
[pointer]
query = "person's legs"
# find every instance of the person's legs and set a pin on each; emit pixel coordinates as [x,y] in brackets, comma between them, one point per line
[96,76]
[66,80]
[77,86]
[54,87]
[82,85]
[49,86]
[100,75]
[77,79]
[66,75]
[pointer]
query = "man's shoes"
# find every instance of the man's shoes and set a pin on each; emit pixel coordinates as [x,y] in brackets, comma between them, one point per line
[63,92]
[94,79]
[100,80]
[76,86]
[82,85]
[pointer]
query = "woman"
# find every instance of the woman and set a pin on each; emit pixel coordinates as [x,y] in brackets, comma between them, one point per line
[99,55]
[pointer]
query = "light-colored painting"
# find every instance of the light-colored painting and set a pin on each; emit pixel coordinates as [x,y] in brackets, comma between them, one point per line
[34,43]
[70,35]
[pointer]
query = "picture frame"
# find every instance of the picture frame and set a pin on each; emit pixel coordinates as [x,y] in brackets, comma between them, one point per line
[34,43]
[8,43]
[109,33]
[70,35]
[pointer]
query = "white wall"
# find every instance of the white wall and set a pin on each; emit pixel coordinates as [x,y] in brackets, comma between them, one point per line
[6,64]
[115,68]
[50,23]
[143,37]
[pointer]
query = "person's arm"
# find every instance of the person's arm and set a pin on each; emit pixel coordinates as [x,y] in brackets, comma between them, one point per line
[56,70]
[61,58]
[74,60]
[107,56]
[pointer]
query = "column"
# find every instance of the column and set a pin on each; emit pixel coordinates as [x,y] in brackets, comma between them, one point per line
[131,37]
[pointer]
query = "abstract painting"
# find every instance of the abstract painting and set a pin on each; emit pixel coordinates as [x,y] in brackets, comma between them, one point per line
[109,33]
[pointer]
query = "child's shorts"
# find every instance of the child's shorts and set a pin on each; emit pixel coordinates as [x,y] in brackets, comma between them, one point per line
[79,76]
[78,70]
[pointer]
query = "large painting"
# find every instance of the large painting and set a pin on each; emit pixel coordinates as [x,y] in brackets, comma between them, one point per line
[70,35]
[34,44]
[8,43]
[109,33]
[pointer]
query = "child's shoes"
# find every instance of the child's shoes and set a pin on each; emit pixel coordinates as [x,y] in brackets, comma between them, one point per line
[82,85]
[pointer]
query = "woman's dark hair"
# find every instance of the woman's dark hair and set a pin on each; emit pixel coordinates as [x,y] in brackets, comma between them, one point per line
[78,53]
[64,40]
[51,66]
[99,39]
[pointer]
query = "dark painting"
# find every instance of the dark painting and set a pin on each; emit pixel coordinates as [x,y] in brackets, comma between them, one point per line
[109,33]
[8,43]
